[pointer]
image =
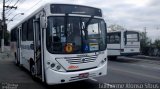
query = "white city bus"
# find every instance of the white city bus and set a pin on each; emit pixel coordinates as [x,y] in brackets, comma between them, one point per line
[123,43]
[61,43]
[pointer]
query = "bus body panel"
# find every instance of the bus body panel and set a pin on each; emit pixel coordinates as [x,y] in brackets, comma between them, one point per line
[73,76]
[131,49]
[113,49]
[27,53]
[54,77]
[70,64]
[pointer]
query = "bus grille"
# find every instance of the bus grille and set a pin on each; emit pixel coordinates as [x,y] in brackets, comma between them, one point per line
[79,60]
[75,78]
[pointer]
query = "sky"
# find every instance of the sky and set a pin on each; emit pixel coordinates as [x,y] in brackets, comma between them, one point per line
[131,14]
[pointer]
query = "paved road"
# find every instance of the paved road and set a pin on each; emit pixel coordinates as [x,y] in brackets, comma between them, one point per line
[122,70]
[131,70]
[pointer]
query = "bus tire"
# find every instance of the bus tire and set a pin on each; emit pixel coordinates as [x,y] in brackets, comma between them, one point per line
[112,57]
[32,69]
[16,59]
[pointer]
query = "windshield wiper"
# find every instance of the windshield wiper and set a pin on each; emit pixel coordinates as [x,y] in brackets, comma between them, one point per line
[86,26]
[90,19]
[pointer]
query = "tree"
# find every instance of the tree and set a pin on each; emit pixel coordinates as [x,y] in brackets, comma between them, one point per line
[157,43]
[145,42]
[115,27]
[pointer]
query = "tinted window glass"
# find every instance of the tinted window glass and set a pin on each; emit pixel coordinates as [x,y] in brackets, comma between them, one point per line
[30,30]
[113,38]
[13,35]
[24,31]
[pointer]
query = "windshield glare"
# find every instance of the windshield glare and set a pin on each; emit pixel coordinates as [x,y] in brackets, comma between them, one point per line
[75,35]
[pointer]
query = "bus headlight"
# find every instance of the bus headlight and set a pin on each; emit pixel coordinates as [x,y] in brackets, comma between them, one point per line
[58,67]
[55,66]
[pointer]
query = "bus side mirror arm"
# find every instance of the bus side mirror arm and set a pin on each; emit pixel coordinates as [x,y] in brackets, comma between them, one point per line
[43,22]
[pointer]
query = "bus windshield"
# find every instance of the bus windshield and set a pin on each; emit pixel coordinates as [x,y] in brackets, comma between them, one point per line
[75,35]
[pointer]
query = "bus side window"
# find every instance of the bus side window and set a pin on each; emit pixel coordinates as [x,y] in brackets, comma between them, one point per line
[30,30]
[24,31]
[117,38]
[108,40]
[13,35]
[112,38]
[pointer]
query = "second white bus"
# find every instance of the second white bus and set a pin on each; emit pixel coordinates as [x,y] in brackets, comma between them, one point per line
[123,43]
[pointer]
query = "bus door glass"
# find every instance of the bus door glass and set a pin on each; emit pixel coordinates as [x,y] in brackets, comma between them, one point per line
[37,45]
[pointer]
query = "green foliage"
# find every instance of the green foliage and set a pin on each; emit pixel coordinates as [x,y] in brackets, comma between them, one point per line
[157,43]
[115,27]
[145,42]
[147,47]
[6,37]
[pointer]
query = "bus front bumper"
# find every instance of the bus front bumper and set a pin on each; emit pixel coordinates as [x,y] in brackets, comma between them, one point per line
[55,77]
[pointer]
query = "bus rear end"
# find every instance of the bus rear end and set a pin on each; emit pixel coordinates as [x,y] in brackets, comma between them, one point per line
[131,43]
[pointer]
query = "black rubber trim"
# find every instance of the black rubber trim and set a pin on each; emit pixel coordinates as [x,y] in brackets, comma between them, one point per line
[80,69]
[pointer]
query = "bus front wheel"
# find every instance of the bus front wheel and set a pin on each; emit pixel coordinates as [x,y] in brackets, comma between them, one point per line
[112,57]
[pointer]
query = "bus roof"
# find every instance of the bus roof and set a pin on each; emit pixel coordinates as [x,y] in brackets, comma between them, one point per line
[43,7]
[121,31]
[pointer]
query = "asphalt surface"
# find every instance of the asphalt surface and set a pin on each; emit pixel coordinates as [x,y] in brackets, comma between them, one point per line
[122,70]
[147,57]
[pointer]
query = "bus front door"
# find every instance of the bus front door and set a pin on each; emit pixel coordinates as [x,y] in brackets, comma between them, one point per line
[37,48]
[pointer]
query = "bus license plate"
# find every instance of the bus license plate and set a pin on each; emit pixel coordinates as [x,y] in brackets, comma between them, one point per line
[84,75]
